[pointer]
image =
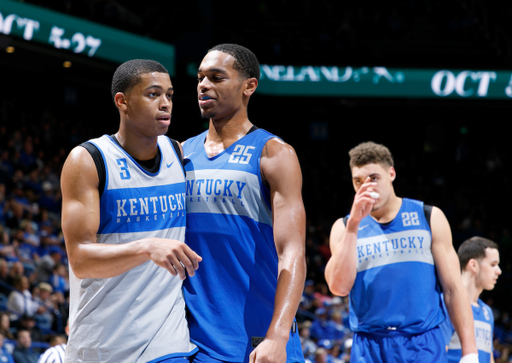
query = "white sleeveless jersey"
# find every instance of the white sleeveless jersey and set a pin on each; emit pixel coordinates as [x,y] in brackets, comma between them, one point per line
[138,316]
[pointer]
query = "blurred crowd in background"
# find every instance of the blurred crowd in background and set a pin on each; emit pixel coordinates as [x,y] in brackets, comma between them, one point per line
[462,171]
[34,288]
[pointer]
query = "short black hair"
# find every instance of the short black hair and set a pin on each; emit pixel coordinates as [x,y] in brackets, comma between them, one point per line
[473,248]
[246,62]
[127,75]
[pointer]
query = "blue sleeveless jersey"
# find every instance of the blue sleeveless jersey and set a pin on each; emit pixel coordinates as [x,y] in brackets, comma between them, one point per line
[484,328]
[396,287]
[229,224]
[138,316]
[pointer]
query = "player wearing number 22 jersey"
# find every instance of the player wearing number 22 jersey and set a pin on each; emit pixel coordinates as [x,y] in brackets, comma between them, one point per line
[387,256]
[399,251]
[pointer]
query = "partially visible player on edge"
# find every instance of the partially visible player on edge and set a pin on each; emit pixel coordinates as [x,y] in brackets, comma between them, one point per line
[390,254]
[57,351]
[246,218]
[123,218]
[479,262]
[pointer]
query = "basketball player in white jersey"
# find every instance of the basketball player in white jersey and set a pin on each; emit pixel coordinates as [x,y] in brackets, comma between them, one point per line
[123,219]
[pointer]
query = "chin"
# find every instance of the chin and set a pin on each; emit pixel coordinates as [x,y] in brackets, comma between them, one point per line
[207,115]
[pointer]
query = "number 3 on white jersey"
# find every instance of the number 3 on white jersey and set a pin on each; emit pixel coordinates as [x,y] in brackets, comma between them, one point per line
[241,154]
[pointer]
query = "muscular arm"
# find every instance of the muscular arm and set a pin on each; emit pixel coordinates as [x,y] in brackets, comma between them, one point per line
[341,269]
[80,223]
[280,168]
[455,295]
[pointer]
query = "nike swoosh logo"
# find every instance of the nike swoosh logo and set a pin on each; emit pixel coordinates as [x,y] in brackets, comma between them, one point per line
[169,165]
[363,227]
[186,157]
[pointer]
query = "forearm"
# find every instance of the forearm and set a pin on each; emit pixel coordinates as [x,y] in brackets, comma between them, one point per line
[102,260]
[341,269]
[457,302]
[290,284]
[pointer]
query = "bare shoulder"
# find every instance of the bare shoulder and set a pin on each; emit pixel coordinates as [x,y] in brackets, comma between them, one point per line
[441,232]
[279,161]
[79,170]
[277,147]
[337,230]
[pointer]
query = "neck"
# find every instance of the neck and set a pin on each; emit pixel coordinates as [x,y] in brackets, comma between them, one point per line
[468,279]
[223,133]
[387,212]
[139,147]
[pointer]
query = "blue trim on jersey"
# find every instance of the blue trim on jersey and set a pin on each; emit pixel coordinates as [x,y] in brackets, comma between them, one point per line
[176,154]
[107,174]
[174,355]
[132,159]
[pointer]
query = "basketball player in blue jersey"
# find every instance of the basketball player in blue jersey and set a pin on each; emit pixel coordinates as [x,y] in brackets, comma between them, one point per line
[479,261]
[392,255]
[123,219]
[245,217]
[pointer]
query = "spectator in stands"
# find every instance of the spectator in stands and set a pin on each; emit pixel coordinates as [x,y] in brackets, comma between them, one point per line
[57,280]
[17,270]
[347,348]
[306,301]
[335,328]
[28,323]
[5,325]
[20,300]
[4,275]
[45,267]
[319,327]
[308,346]
[22,352]
[46,301]
[5,356]
[320,356]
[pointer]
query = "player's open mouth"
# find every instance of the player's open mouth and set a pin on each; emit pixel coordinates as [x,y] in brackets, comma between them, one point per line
[204,100]
[164,118]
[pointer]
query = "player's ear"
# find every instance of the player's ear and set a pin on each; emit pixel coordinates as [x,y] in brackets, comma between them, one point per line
[472,265]
[120,100]
[250,86]
[392,173]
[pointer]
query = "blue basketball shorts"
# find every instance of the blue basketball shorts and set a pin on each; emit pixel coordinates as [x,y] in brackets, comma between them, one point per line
[293,352]
[393,347]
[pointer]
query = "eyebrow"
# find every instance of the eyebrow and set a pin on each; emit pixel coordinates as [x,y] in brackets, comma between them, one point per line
[371,175]
[159,87]
[221,70]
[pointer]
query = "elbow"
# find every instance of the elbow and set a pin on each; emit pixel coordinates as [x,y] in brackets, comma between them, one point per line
[78,269]
[337,286]
[338,290]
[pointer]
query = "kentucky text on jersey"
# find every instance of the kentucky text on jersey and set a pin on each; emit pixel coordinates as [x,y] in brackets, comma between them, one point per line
[413,245]
[143,209]
[149,207]
[205,188]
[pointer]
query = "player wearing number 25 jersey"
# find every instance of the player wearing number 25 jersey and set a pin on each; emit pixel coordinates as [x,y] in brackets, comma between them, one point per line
[230,226]
[245,217]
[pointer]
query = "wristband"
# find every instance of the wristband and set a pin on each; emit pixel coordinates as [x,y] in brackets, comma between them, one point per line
[470,358]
